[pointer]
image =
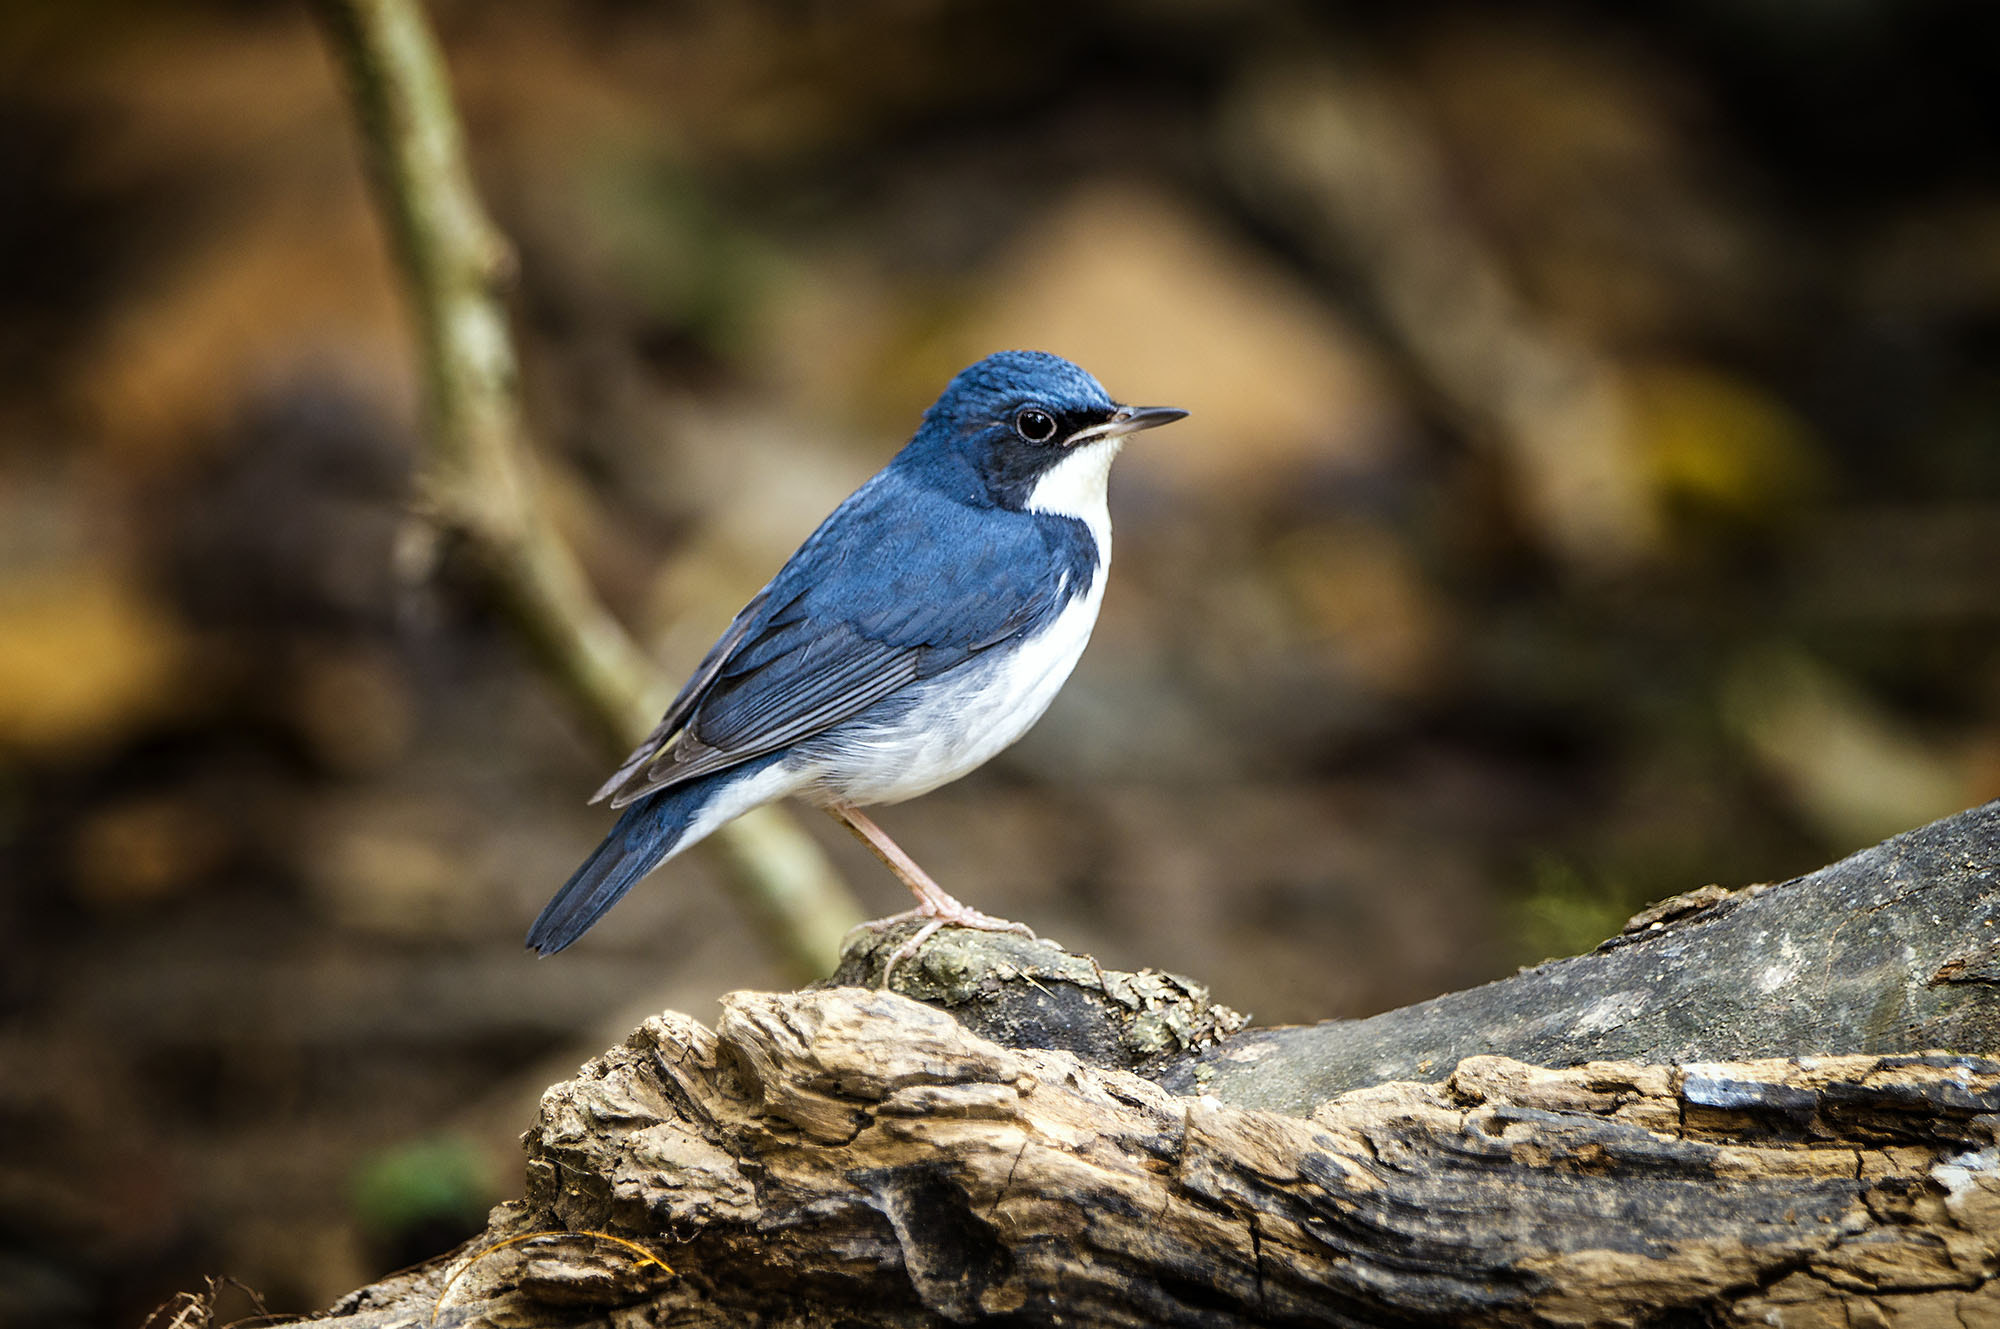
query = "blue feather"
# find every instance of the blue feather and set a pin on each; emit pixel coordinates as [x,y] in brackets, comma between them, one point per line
[880,654]
[649,833]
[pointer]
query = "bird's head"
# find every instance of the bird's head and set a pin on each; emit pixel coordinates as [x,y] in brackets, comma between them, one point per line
[1010,422]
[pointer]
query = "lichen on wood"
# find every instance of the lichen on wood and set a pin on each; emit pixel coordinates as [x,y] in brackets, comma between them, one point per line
[850,1155]
[1041,1141]
[1883,951]
[1027,993]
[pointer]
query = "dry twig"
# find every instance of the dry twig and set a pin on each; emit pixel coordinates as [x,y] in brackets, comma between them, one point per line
[478,478]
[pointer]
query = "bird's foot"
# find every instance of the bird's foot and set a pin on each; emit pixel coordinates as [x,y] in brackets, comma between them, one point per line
[936,913]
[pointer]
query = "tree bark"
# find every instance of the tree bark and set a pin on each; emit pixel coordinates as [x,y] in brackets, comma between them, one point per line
[1732,1114]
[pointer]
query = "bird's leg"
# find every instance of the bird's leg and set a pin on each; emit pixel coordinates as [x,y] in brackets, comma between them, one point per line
[935,906]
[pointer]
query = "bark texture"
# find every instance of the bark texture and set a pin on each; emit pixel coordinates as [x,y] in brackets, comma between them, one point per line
[1013,1149]
[1894,949]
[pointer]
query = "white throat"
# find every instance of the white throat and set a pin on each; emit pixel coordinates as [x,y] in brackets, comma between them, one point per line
[1075,487]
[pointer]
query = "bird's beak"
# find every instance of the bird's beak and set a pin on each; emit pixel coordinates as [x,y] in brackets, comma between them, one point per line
[1128,420]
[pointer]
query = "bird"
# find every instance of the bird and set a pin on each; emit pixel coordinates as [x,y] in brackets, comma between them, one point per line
[919,631]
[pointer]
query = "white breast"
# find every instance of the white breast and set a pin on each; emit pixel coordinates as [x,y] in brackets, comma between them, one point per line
[1076,487]
[963,718]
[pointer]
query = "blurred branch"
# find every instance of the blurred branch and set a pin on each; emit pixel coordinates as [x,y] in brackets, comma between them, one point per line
[478,480]
[1844,761]
[1340,158]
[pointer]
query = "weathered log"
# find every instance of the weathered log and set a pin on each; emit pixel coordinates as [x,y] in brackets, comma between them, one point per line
[1018,1153]
[1894,949]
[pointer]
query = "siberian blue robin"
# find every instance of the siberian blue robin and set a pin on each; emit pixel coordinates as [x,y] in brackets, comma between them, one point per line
[919,631]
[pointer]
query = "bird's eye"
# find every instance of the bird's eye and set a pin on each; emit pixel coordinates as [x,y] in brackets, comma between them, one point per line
[1035,425]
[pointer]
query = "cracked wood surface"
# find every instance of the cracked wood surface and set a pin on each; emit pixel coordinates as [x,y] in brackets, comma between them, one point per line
[1893,949]
[852,1156]
[1021,1150]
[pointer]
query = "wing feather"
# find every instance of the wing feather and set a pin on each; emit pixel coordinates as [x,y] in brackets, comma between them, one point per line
[781,714]
[920,584]
[690,694]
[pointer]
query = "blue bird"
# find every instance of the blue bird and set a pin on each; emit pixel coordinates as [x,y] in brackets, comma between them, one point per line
[919,631]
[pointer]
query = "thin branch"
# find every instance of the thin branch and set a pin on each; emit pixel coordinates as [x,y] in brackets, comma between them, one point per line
[478,479]
[1341,158]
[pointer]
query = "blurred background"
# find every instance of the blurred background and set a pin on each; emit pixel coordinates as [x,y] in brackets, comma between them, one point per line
[1591,492]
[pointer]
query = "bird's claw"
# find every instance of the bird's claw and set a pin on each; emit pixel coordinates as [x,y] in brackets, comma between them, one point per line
[933,918]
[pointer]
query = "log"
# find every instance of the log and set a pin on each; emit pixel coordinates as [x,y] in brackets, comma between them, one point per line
[1775,1106]
[1894,949]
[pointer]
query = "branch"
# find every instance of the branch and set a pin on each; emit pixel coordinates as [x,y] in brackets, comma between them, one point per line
[1894,949]
[477,479]
[849,1155]
[1344,163]
[852,1156]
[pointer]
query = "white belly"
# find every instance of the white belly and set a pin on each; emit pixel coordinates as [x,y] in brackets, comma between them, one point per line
[962,718]
[965,717]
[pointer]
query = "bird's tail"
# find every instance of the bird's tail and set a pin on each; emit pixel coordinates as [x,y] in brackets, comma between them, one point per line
[651,831]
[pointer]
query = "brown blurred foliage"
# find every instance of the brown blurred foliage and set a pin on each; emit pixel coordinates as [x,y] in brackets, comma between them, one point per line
[1592,491]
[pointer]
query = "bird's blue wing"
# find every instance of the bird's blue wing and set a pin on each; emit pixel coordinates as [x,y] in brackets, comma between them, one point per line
[899,584]
[690,693]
